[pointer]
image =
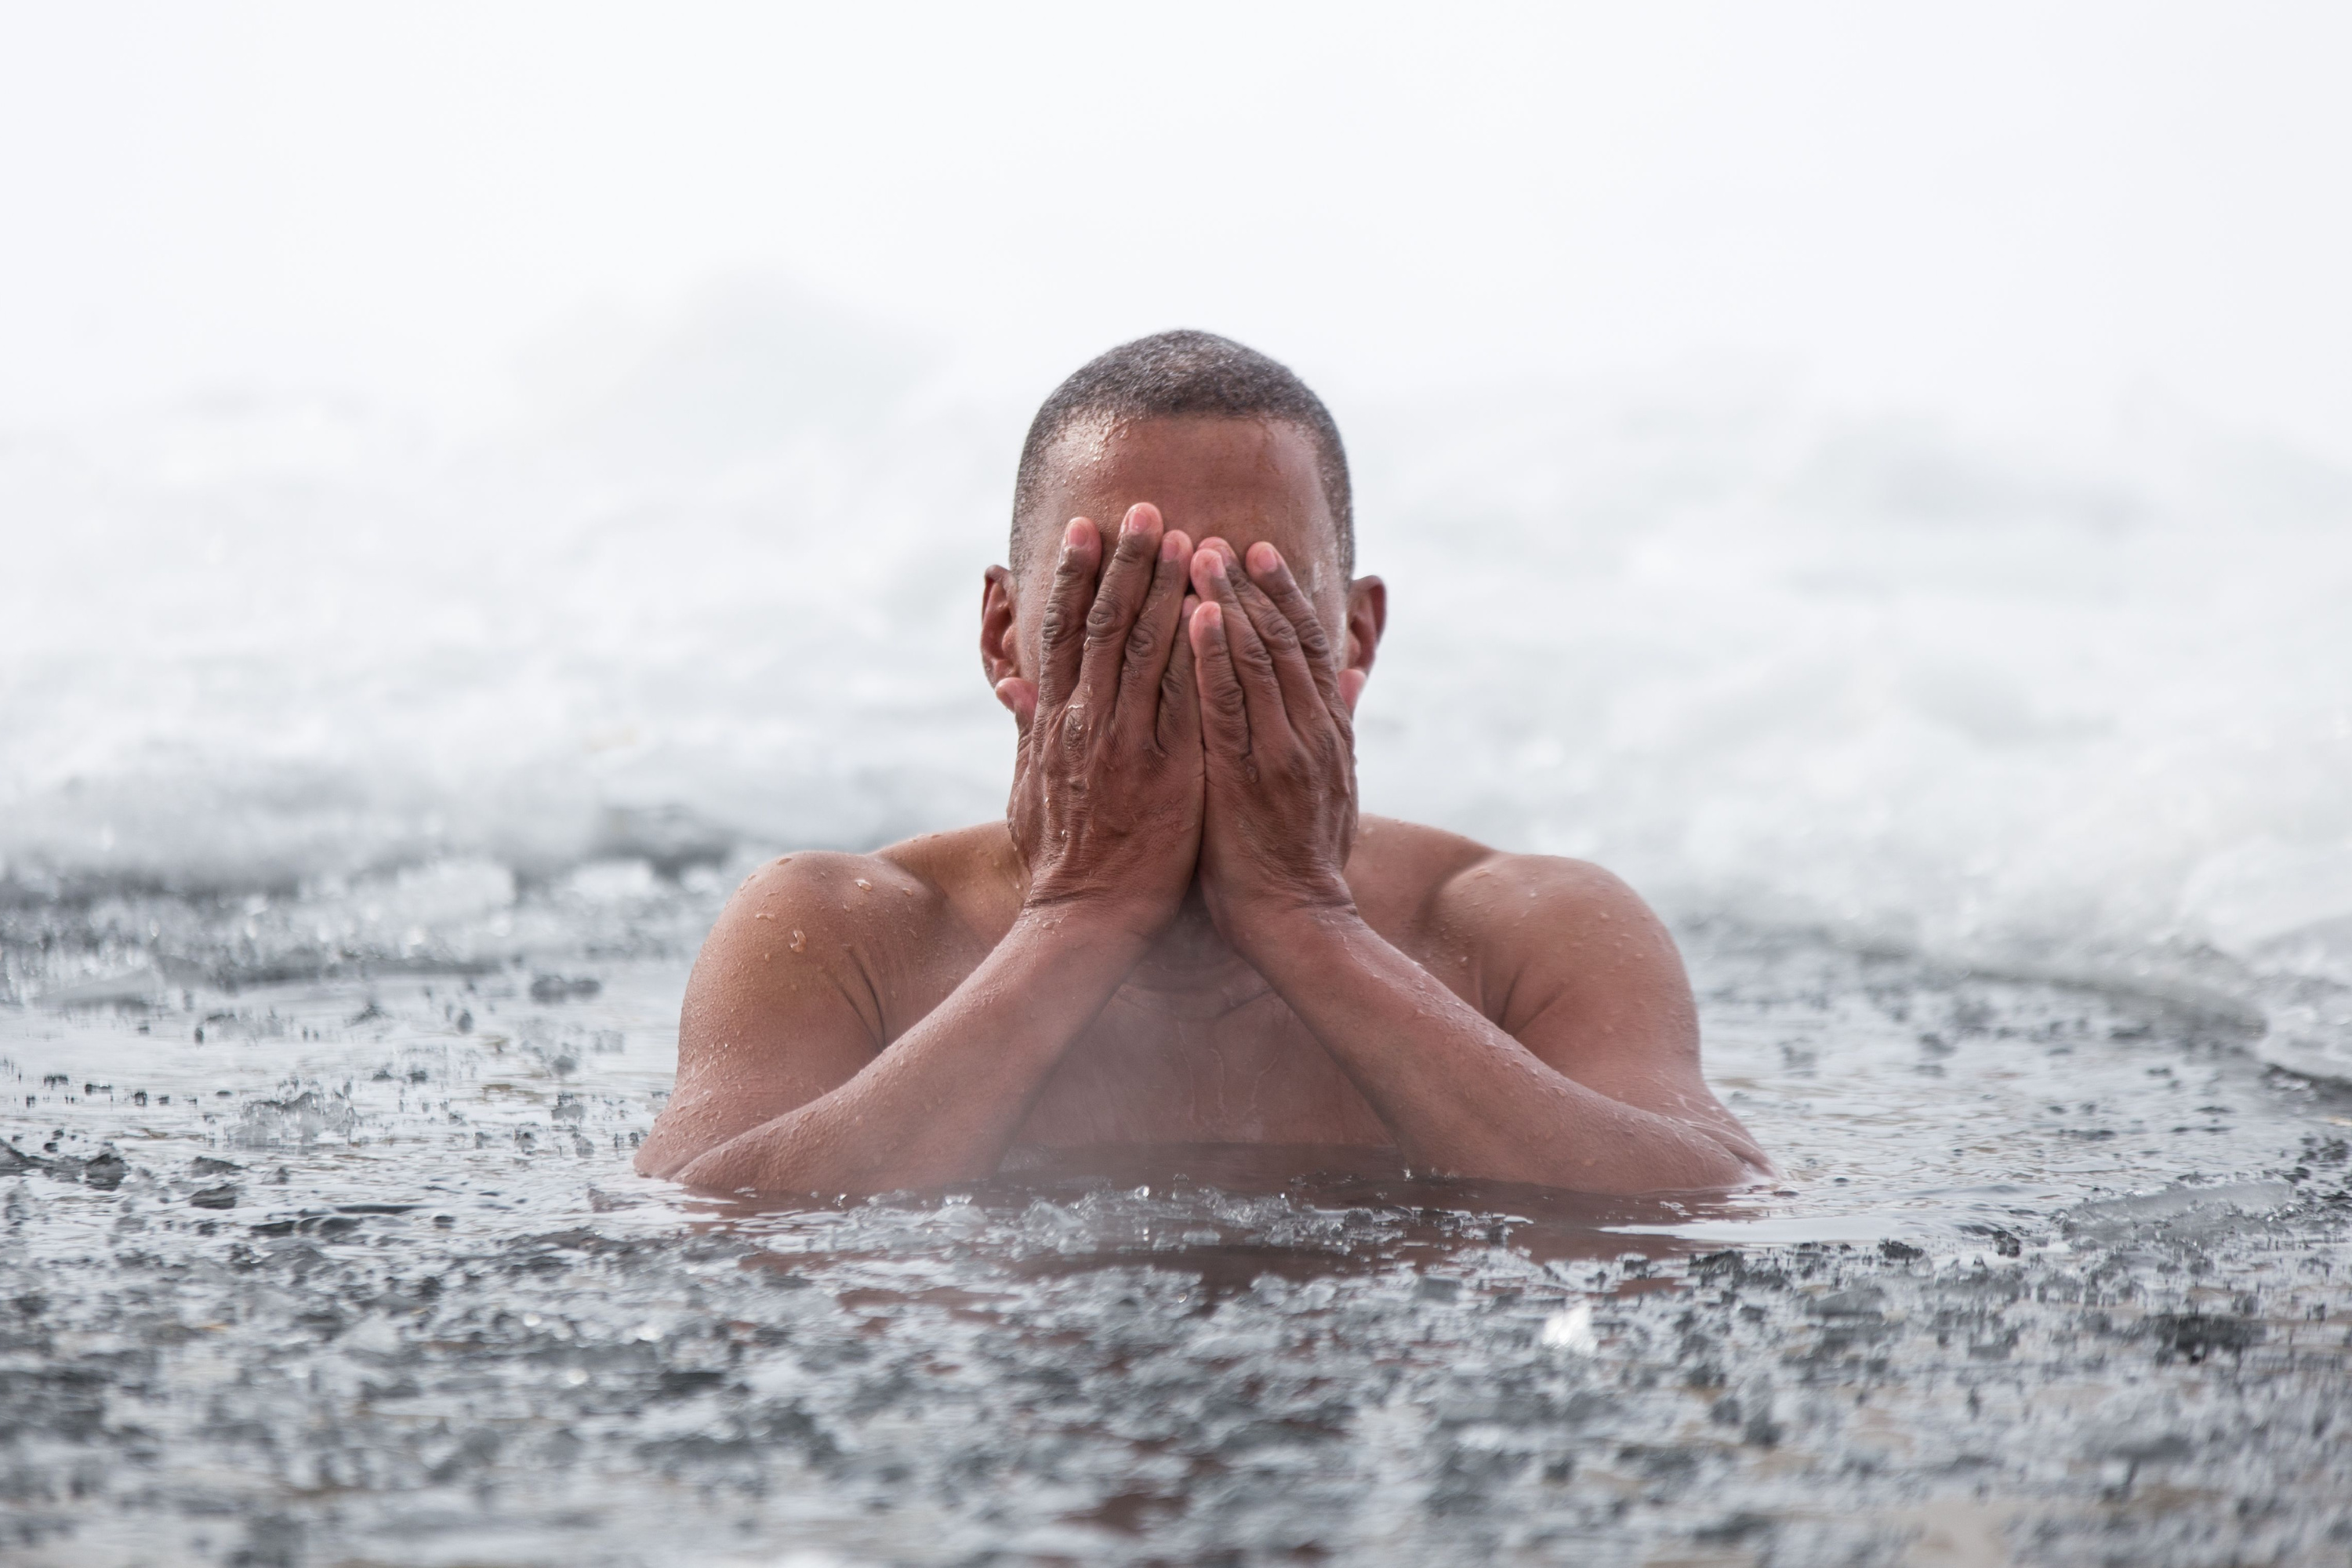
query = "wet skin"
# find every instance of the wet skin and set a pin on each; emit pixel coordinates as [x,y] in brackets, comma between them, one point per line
[1182,932]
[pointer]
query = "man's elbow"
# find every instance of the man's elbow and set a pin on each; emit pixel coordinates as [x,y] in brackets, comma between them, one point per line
[676,1144]
[709,1168]
[1695,1160]
[1724,1161]
[661,1160]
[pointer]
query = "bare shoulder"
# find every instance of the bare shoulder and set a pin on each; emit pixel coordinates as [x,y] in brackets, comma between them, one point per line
[1527,935]
[1422,876]
[972,874]
[930,874]
[1546,899]
[870,926]
[800,924]
[815,901]
[835,892]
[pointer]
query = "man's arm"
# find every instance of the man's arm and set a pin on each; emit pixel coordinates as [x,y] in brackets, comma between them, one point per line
[1579,1064]
[1595,1085]
[784,1083]
[788,1079]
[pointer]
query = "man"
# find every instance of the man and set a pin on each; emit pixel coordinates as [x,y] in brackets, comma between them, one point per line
[1182,932]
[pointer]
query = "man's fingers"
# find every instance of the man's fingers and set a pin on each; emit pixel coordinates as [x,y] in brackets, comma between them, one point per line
[1125,583]
[1065,611]
[1179,722]
[1271,575]
[1218,583]
[1154,637]
[1304,701]
[1224,711]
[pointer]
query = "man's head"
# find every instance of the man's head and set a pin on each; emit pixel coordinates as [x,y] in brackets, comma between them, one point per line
[1173,375]
[1224,441]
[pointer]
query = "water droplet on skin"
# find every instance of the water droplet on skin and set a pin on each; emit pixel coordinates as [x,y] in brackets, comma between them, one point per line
[800,943]
[863,886]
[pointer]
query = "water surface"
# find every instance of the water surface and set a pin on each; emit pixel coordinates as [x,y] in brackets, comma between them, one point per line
[349,1266]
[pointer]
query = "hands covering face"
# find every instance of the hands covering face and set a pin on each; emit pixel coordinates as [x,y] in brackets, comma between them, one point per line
[1278,745]
[1105,803]
[1170,733]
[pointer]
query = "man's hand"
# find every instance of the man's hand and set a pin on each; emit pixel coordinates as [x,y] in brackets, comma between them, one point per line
[1107,794]
[1278,747]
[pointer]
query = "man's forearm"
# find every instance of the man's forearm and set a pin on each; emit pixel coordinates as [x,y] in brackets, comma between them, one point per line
[1458,1093]
[943,1102]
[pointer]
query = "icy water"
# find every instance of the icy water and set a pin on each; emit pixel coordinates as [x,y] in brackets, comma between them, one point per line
[343,1263]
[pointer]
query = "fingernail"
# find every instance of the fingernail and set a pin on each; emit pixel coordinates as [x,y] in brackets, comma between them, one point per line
[1171,546]
[1210,617]
[1217,564]
[1133,522]
[1073,534]
[1268,561]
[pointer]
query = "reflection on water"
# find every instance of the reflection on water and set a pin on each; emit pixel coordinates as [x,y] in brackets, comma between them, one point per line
[361,1275]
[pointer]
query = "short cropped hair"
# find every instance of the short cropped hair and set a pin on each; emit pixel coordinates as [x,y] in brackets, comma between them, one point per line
[1171,375]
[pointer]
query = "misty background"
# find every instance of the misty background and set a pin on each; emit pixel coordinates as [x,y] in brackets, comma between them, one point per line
[1880,470]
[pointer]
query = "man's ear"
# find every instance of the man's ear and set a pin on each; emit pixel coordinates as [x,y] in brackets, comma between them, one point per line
[1000,655]
[1368,617]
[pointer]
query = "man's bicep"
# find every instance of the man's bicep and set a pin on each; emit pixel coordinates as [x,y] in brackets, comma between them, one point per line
[777,1014]
[1584,974]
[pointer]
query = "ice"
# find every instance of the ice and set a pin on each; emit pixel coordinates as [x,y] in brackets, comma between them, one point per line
[297,1120]
[1571,1330]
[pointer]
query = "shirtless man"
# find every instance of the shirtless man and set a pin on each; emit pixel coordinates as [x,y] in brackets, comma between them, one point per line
[1181,932]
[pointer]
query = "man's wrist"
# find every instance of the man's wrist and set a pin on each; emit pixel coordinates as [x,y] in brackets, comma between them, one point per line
[1114,933]
[1298,936]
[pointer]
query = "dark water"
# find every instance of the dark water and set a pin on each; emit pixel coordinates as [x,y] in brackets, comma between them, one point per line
[361,1276]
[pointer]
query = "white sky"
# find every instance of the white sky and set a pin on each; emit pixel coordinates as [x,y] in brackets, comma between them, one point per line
[2019,212]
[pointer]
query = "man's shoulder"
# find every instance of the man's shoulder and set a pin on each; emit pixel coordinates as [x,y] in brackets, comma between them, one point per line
[1531,934]
[907,887]
[1428,877]
[960,862]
